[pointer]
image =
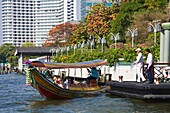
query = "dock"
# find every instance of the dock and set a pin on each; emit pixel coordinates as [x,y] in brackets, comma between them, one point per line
[142,91]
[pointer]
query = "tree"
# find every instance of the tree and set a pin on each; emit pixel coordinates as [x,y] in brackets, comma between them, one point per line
[7,54]
[141,20]
[155,4]
[28,44]
[79,34]
[124,17]
[60,34]
[97,21]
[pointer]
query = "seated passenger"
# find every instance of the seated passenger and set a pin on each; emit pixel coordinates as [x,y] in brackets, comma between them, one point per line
[75,82]
[46,73]
[93,74]
[66,83]
[83,82]
[57,81]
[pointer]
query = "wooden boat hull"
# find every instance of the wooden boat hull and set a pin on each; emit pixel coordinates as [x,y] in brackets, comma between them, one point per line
[49,90]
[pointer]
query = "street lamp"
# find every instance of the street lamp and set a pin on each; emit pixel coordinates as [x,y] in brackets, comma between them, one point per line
[75,47]
[102,41]
[72,47]
[115,37]
[68,49]
[156,28]
[82,46]
[133,33]
[79,45]
[117,2]
[52,50]
[91,42]
[62,50]
[57,50]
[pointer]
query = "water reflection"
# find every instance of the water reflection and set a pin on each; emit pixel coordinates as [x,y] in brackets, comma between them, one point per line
[45,103]
[101,104]
[151,106]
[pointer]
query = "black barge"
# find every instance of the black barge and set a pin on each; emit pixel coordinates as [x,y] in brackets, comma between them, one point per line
[143,91]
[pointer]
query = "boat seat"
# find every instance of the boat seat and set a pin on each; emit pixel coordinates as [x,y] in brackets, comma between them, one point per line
[83,87]
[78,85]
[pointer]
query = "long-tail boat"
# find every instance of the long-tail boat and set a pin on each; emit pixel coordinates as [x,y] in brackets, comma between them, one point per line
[48,89]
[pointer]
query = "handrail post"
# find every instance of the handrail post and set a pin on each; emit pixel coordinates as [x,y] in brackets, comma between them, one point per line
[143,65]
[153,73]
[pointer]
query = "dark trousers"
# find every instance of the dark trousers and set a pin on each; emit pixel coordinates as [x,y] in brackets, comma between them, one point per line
[149,75]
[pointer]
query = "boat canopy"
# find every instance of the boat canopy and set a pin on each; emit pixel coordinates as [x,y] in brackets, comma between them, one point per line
[53,65]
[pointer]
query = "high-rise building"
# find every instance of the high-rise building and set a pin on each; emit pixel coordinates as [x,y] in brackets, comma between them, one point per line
[83,9]
[88,4]
[72,10]
[18,21]
[48,13]
[30,20]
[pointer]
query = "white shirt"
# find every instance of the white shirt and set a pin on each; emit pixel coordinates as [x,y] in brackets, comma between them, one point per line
[139,60]
[66,83]
[149,60]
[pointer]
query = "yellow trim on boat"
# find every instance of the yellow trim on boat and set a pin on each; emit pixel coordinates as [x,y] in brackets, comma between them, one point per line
[84,88]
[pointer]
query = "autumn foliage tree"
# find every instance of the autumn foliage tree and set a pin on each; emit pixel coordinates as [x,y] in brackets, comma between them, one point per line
[60,34]
[97,21]
[79,34]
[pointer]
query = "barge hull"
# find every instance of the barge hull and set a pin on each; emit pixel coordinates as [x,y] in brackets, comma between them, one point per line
[140,90]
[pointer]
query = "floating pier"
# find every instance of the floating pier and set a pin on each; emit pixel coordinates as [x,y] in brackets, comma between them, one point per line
[140,90]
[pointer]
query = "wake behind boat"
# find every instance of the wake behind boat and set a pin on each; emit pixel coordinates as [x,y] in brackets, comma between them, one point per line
[50,90]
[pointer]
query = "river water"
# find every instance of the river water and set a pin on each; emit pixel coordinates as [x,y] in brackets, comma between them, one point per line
[15,97]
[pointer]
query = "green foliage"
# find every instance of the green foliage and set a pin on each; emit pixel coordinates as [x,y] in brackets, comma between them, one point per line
[155,4]
[124,17]
[155,50]
[28,44]
[7,54]
[112,55]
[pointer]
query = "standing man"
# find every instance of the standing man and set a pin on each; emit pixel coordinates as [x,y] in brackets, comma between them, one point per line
[149,63]
[139,65]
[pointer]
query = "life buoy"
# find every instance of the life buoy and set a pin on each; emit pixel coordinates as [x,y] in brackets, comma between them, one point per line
[165,72]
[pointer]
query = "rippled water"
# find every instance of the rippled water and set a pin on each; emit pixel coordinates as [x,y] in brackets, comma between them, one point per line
[16,97]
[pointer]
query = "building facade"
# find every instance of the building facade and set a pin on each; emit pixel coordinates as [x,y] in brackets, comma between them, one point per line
[18,21]
[48,13]
[30,20]
[91,3]
[71,11]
